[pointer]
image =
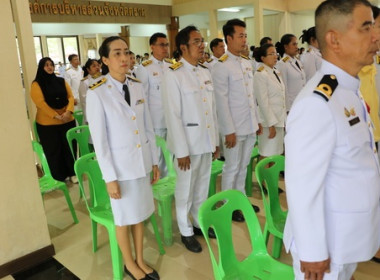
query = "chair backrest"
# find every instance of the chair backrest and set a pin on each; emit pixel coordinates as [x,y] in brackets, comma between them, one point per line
[81,134]
[211,214]
[88,165]
[37,148]
[78,116]
[267,171]
[161,143]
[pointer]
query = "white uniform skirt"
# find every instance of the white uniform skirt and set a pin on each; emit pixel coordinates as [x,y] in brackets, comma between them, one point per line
[136,203]
[269,147]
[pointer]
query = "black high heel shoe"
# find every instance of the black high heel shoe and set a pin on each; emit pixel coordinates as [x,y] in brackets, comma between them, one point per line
[133,277]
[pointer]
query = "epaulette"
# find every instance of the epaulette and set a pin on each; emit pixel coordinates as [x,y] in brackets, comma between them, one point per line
[245,57]
[133,79]
[98,83]
[175,66]
[286,58]
[261,68]
[146,62]
[168,60]
[68,68]
[223,58]
[308,50]
[209,60]
[326,86]
[378,59]
[203,66]
[97,75]
[85,78]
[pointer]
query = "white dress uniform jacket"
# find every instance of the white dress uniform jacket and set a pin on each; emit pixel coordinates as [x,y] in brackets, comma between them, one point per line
[236,106]
[293,77]
[83,88]
[151,74]
[190,110]
[332,172]
[311,61]
[270,96]
[73,78]
[123,135]
[211,62]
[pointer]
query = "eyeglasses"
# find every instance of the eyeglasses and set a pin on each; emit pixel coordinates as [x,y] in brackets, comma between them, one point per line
[273,54]
[162,45]
[199,42]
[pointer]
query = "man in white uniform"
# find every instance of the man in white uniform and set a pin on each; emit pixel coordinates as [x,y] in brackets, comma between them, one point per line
[236,108]
[151,74]
[74,75]
[332,168]
[218,49]
[190,115]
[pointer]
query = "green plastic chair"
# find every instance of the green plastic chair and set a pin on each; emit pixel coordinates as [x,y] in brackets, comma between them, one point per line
[163,192]
[99,208]
[258,264]
[248,179]
[216,169]
[37,137]
[48,183]
[275,216]
[81,135]
[78,116]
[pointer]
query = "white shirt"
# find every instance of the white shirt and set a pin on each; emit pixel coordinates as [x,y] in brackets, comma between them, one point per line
[311,61]
[83,88]
[73,77]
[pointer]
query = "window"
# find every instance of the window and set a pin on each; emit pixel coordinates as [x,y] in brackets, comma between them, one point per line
[59,48]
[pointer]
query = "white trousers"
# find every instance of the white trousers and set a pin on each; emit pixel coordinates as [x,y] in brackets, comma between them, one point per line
[191,191]
[237,160]
[337,271]
[162,132]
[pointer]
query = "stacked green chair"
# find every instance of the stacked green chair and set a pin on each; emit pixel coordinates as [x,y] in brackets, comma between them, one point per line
[216,169]
[268,172]
[35,131]
[78,116]
[163,192]
[81,135]
[48,183]
[248,179]
[216,212]
[99,208]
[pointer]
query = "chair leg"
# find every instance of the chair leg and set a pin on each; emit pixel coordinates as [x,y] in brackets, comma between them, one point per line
[276,248]
[166,211]
[266,235]
[117,259]
[69,203]
[212,185]
[94,228]
[248,179]
[157,234]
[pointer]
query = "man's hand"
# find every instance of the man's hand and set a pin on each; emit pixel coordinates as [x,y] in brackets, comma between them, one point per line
[230,140]
[76,101]
[184,163]
[272,132]
[113,190]
[315,270]
[155,175]
[260,130]
[215,155]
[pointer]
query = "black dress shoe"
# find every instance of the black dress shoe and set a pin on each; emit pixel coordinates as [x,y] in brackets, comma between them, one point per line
[198,231]
[191,244]
[153,275]
[376,259]
[256,208]
[237,216]
[133,277]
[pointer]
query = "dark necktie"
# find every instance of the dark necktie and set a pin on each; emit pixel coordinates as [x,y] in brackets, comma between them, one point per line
[126,94]
[274,72]
[298,65]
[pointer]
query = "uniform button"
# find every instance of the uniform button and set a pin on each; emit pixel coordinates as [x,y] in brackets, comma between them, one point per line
[201,87]
[249,95]
[136,132]
[206,113]
[208,126]
[138,146]
[133,118]
[244,72]
[374,150]
[204,99]
[246,84]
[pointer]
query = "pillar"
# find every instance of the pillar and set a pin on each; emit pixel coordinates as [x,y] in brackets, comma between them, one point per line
[213,24]
[172,29]
[258,21]
[125,34]
[99,41]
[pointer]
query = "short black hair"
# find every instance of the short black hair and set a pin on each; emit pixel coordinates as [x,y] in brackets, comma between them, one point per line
[307,35]
[215,42]
[71,56]
[229,27]
[262,51]
[183,37]
[375,11]
[155,36]
[265,40]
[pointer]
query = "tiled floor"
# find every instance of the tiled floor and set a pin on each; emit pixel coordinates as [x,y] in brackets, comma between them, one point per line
[73,245]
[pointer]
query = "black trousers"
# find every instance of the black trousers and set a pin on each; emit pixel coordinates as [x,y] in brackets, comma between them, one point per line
[57,150]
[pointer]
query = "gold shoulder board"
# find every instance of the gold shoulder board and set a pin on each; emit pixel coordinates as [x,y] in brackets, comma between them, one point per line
[98,83]
[285,59]
[261,68]
[223,58]
[168,60]
[209,60]
[326,86]
[133,78]
[176,66]
[146,62]
[245,57]
[85,78]
[203,66]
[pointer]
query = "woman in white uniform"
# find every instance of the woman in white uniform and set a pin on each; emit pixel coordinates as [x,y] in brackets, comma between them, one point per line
[291,68]
[269,90]
[124,142]
[312,58]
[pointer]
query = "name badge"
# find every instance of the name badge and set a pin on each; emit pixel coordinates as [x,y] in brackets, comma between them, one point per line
[354,121]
